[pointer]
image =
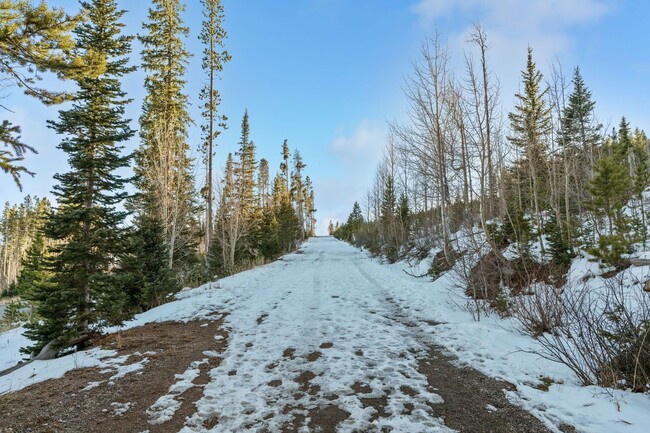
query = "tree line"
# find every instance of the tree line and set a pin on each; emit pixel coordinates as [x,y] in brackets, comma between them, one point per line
[100,253]
[505,202]
[546,177]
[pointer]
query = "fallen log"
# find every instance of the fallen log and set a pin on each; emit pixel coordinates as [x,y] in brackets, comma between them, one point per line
[636,261]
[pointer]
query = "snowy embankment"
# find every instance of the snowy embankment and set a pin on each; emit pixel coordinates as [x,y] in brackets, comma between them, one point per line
[498,348]
[332,302]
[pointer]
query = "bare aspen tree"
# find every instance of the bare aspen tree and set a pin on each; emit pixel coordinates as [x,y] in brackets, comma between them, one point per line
[169,184]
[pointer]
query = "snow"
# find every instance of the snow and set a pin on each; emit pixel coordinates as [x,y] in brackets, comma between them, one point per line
[39,371]
[10,343]
[166,406]
[120,409]
[370,323]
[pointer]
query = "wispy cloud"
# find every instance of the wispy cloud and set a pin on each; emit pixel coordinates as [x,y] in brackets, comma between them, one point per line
[363,146]
[358,151]
[516,13]
[513,25]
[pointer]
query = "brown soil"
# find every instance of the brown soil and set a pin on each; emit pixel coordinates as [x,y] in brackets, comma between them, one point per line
[489,273]
[60,405]
[467,394]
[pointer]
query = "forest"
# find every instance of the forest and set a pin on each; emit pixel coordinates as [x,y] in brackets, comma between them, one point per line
[509,201]
[113,245]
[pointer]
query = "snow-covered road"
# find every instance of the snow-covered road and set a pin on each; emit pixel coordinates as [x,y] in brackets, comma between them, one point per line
[328,338]
[326,314]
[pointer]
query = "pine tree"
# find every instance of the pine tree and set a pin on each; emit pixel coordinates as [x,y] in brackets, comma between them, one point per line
[387,218]
[246,170]
[404,214]
[163,165]
[531,125]
[298,193]
[87,223]
[310,207]
[263,189]
[37,39]
[214,57]
[578,124]
[34,271]
[34,40]
[14,152]
[288,225]
[641,177]
[146,278]
[610,191]
[270,239]
[284,165]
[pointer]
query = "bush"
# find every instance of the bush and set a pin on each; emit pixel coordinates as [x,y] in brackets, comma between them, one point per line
[541,311]
[610,249]
[604,337]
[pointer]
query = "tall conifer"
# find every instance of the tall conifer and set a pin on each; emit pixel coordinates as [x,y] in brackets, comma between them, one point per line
[83,292]
[214,56]
[163,164]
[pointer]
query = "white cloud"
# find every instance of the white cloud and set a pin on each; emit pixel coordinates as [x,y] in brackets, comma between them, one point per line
[517,13]
[362,147]
[513,25]
[358,151]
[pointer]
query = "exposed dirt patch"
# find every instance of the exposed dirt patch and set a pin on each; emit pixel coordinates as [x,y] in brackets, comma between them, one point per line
[325,419]
[326,345]
[288,353]
[262,318]
[488,275]
[304,380]
[313,356]
[377,403]
[467,392]
[408,391]
[361,388]
[59,405]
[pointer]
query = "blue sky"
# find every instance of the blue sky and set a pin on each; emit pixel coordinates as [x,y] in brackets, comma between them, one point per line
[327,75]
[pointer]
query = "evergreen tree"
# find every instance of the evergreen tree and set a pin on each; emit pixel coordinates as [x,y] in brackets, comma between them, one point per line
[245,173]
[146,278]
[310,207]
[214,57]
[578,125]
[531,125]
[246,170]
[34,271]
[263,189]
[163,165]
[83,292]
[14,152]
[641,177]
[284,165]
[270,237]
[404,214]
[34,40]
[288,225]
[387,218]
[610,190]
[298,193]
